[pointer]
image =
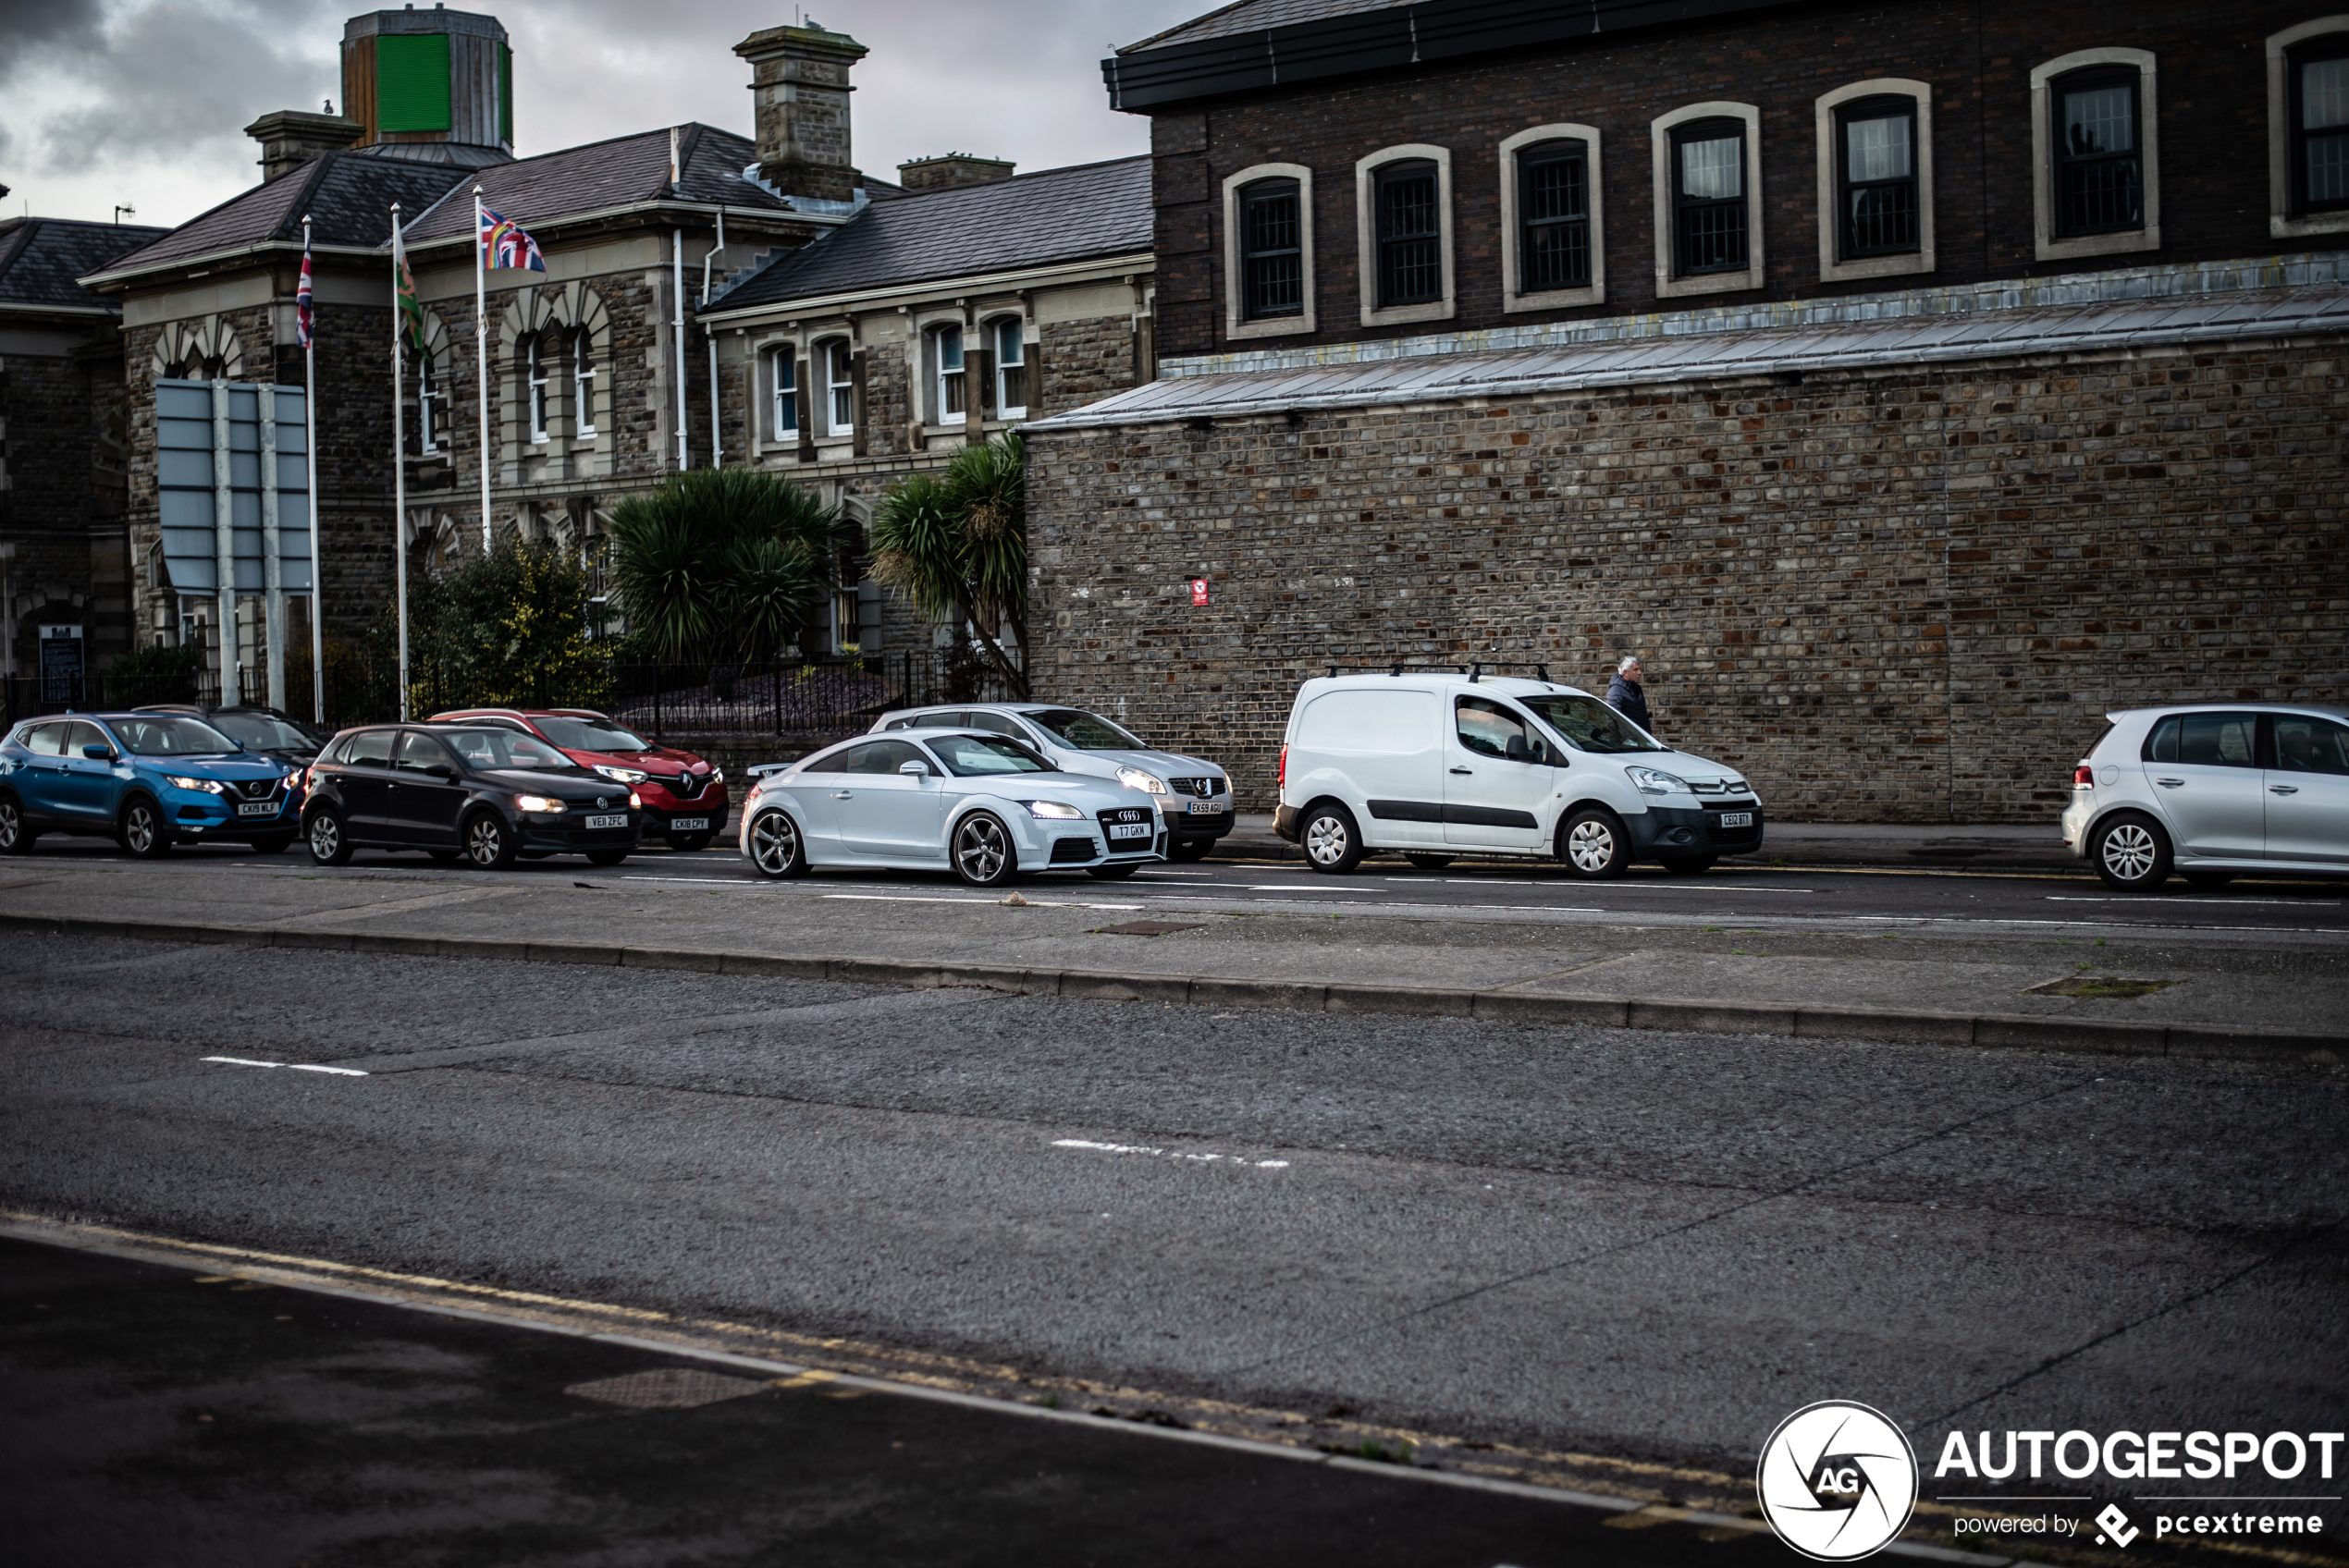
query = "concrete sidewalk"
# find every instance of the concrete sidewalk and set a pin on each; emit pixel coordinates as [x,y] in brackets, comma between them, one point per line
[1976,846]
[2126,989]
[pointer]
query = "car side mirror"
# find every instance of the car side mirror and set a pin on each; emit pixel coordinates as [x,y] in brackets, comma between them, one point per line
[98,753]
[917,769]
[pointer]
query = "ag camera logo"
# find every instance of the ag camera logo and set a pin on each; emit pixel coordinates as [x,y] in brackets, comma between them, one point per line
[1836,1481]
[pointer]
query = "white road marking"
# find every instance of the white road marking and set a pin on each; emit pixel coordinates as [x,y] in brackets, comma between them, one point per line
[910,898]
[2171,899]
[1297,888]
[292,1066]
[1170,1154]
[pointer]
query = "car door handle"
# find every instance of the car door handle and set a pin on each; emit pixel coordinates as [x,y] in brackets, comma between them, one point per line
[844,795]
[2168,783]
[2283,789]
[1464,770]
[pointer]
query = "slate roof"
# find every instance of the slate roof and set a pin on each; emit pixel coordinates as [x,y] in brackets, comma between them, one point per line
[1832,345]
[1031,220]
[348,196]
[1254,16]
[41,260]
[601,174]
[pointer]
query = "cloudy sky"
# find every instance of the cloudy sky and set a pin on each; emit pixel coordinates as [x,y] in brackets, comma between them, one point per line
[107,102]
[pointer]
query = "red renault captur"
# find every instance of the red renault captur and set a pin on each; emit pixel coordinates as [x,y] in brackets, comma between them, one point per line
[684,797]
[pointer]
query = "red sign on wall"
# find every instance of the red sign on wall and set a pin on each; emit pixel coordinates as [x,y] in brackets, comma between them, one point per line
[1199,591]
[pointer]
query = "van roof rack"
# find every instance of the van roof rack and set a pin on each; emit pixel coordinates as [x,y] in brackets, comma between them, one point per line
[1474,670]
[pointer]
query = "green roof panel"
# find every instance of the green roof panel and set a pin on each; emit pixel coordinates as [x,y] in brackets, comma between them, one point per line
[412,81]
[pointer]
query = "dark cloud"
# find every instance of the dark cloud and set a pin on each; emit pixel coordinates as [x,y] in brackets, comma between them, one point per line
[24,23]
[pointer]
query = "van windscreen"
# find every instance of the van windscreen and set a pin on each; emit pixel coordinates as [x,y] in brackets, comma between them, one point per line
[1589,724]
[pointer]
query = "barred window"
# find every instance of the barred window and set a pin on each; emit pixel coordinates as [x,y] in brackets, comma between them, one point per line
[1271,250]
[1708,187]
[1554,216]
[2320,125]
[1411,237]
[1879,197]
[2099,173]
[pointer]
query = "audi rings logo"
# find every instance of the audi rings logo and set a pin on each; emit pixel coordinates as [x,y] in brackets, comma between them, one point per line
[1836,1481]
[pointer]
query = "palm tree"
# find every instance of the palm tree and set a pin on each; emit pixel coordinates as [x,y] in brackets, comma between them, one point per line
[725,563]
[956,545]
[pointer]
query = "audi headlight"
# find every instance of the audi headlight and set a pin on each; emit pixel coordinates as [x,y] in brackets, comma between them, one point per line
[209,786]
[1147,783]
[623,774]
[1059,811]
[538,803]
[1651,782]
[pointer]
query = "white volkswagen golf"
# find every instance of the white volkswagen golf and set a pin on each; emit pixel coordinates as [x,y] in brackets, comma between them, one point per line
[1436,765]
[2213,791]
[984,806]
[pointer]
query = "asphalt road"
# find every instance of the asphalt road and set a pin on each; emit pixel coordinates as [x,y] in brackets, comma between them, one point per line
[2286,913]
[1647,1245]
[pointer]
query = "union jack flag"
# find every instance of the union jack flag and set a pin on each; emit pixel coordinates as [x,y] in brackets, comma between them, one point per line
[505,244]
[305,319]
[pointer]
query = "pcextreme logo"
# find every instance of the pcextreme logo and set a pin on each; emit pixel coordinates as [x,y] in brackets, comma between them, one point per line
[1836,1480]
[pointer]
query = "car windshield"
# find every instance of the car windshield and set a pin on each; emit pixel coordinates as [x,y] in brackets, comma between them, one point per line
[160,735]
[968,756]
[1589,724]
[263,731]
[591,735]
[1086,731]
[507,748]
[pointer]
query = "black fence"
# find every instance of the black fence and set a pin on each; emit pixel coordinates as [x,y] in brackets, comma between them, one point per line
[780,697]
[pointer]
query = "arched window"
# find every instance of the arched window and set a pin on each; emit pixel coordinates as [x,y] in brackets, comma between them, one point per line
[2309,128]
[2097,183]
[1554,215]
[782,385]
[583,383]
[1874,178]
[947,391]
[534,364]
[1708,201]
[1403,231]
[1271,250]
[840,388]
[1011,368]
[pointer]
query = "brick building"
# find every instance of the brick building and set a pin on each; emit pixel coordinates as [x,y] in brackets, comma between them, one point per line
[1908,382]
[63,439]
[599,380]
[976,301]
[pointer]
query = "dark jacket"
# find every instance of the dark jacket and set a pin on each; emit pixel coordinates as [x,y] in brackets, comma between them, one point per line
[1625,698]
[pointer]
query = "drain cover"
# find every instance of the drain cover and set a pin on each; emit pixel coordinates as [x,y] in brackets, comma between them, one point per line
[1143,928]
[668,1388]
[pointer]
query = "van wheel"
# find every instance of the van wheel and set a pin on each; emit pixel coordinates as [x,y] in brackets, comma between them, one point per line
[1595,845]
[1430,863]
[1333,844]
[2131,852]
[142,831]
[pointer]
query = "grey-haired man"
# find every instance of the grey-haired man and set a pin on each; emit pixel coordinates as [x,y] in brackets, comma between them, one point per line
[1624,695]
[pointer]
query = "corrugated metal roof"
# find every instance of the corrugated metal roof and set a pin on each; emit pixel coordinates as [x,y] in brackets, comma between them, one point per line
[1830,346]
[1032,220]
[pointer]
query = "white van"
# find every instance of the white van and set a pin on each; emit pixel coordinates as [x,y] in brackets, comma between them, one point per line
[1436,765]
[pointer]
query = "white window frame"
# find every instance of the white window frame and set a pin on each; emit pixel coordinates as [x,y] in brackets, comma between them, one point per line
[934,349]
[1000,330]
[2049,247]
[782,360]
[844,388]
[427,395]
[1236,326]
[1513,295]
[1365,234]
[1667,210]
[535,392]
[1832,269]
[2282,224]
[583,383]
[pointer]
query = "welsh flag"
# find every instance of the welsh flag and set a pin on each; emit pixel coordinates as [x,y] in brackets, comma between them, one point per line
[412,313]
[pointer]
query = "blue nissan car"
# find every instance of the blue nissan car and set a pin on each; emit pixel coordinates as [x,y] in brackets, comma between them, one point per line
[145,781]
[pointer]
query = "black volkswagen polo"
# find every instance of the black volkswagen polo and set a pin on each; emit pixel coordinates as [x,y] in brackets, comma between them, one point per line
[485,794]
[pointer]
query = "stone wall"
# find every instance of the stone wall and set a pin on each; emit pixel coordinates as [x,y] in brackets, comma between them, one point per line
[1892,597]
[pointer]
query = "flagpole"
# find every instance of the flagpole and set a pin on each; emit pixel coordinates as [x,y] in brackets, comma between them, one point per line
[398,463]
[317,565]
[481,343]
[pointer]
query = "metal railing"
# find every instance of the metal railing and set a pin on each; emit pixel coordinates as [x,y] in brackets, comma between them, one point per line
[775,697]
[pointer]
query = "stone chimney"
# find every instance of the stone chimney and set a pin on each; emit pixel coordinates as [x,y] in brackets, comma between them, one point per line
[954,170]
[289,138]
[799,86]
